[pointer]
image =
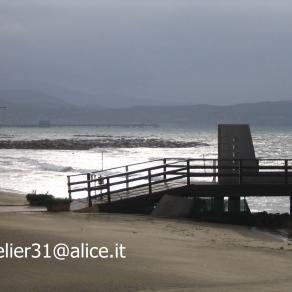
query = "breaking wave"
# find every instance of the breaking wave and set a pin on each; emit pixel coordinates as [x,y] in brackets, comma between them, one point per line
[56,168]
[45,166]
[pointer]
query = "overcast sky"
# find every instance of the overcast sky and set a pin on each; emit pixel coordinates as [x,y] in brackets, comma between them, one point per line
[154,51]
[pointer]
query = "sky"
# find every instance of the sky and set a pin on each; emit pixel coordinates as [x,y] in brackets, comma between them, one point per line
[151,51]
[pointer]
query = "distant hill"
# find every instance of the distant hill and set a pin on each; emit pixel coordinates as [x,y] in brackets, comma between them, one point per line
[26,107]
[30,99]
[261,113]
[71,96]
[29,106]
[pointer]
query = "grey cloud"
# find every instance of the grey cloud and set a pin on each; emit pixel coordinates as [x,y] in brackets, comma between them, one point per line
[151,51]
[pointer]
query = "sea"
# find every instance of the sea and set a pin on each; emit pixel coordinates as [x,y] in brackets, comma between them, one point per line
[44,171]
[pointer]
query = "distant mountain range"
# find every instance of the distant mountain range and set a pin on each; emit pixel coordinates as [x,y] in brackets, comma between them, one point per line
[29,99]
[28,107]
[20,90]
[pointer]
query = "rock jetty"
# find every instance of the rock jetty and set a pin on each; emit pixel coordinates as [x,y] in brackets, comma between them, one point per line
[86,144]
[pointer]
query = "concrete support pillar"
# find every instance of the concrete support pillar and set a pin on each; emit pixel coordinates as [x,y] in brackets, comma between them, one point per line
[219,207]
[233,205]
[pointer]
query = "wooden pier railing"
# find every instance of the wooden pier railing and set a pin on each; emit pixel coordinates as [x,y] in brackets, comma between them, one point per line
[107,183]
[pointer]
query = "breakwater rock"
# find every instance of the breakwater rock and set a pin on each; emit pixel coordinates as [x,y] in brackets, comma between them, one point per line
[86,144]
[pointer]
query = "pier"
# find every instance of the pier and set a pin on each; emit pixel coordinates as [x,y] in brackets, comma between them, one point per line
[235,174]
[184,177]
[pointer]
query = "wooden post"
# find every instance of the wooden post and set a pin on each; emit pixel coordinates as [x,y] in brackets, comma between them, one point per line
[69,187]
[108,190]
[149,182]
[214,171]
[188,177]
[286,171]
[127,178]
[89,190]
[240,171]
[164,170]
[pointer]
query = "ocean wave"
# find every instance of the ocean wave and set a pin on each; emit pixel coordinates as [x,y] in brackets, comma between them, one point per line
[55,168]
[6,136]
[46,166]
[92,136]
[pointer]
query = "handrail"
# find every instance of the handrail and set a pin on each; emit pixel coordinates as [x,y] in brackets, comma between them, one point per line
[113,168]
[146,176]
[122,174]
[142,170]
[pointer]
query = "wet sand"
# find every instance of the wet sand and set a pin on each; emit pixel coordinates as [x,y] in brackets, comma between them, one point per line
[162,255]
[10,198]
[12,202]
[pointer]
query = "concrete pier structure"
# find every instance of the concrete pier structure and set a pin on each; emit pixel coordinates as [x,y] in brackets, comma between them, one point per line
[233,205]
[219,205]
[234,143]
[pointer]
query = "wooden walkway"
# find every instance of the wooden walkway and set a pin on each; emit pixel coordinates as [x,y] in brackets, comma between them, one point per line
[196,177]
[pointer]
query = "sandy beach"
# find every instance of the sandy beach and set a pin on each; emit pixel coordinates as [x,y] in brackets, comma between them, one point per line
[161,254]
[12,199]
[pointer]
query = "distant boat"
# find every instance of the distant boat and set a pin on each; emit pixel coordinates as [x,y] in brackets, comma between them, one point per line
[44,123]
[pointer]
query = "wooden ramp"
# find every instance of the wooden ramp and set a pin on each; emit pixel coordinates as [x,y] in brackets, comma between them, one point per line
[82,203]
